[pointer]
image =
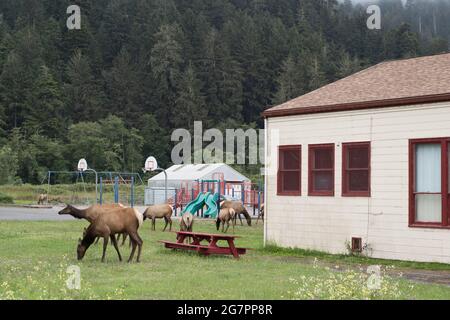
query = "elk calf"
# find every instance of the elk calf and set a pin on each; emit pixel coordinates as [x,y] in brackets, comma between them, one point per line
[158,212]
[225,216]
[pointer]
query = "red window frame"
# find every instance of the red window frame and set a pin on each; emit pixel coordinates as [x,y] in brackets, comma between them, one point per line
[311,170]
[281,170]
[346,192]
[445,223]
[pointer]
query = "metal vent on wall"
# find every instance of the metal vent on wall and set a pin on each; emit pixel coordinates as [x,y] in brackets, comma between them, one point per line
[356,244]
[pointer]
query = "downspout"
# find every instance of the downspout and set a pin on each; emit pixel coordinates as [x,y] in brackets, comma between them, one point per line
[266,171]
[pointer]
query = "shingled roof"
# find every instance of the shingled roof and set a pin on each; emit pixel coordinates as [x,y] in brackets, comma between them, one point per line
[387,84]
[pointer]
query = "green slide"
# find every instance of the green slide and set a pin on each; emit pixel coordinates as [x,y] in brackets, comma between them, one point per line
[211,203]
[202,199]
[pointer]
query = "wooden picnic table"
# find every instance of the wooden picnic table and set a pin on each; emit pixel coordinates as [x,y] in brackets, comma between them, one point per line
[205,249]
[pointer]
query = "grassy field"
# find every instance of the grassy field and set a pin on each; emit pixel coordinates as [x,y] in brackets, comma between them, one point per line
[79,193]
[35,255]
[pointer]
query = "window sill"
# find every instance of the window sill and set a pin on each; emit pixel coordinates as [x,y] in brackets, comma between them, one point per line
[321,193]
[425,225]
[357,194]
[289,194]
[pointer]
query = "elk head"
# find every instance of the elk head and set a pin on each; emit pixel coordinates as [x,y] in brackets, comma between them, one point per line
[81,249]
[67,210]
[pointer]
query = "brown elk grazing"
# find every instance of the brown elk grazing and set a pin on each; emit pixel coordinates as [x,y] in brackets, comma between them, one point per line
[43,198]
[225,216]
[238,208]
[90,214]
[157,212]
[118,220]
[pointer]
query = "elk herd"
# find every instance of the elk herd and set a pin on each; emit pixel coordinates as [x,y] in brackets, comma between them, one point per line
[110,220]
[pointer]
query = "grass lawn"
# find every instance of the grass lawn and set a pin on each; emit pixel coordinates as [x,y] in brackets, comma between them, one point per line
[34,257]
[78,193]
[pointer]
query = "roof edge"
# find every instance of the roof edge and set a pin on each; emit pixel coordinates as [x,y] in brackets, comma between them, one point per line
[357,105]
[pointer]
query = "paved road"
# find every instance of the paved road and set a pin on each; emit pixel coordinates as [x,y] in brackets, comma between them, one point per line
[32,214]
[37,214]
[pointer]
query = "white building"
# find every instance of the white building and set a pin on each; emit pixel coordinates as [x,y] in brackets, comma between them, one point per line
[364,161]
[182,173]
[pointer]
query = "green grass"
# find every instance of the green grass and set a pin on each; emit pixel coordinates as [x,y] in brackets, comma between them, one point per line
[79,193]
[272,249]
[34,257]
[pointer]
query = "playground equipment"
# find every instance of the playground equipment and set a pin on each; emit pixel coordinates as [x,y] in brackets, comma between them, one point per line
[211,201]
[128,197]
[191,193]
[122,188]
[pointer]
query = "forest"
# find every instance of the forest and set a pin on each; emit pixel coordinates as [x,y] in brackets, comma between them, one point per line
[113,91]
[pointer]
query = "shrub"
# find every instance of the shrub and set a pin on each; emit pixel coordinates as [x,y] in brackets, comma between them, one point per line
[4,198]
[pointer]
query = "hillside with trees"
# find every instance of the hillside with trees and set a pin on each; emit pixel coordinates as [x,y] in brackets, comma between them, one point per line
[114,91]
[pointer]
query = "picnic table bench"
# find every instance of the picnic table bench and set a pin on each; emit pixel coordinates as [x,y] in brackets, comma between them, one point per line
[205,249]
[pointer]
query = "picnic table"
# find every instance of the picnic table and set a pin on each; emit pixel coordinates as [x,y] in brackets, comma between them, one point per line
[205,249]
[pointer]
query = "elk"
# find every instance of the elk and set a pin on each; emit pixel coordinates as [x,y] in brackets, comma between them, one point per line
[238,208]
[118,220]
[158,212]
[225,216]
[261,213]
[43,198]
[187,223]
[90,214]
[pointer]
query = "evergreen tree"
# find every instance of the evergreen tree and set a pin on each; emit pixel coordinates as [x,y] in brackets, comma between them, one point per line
[82,92]
[123,88]
[46,112]
[166,63]
[190,104]
[290,81]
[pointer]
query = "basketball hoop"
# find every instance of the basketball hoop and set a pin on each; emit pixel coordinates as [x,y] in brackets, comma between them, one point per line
[82,165]
[150,164]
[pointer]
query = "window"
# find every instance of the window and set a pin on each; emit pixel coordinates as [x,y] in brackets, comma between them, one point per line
[321,170]
[289,170]
[356,169]
[429,182]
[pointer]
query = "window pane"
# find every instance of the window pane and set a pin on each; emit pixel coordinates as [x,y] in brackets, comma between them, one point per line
[291,159]
[428,167]
[358,180]
[290,181]
[428,208]
[358,157]
[323,158]
[323,181]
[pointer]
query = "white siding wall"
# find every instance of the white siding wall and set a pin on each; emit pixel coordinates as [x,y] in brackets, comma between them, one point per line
[326,223]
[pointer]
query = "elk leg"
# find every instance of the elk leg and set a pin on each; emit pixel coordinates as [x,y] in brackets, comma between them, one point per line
[228,225]
[113,240]
[153,223]
[170,223]
[133,243]
[139,242]
[105,244]
[124,238]
[167,222]
[240,219]
[96,241]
